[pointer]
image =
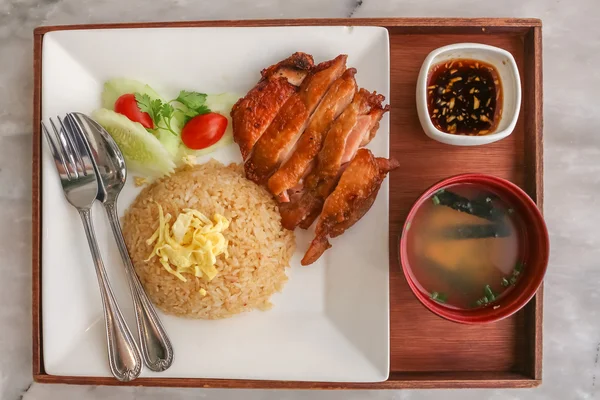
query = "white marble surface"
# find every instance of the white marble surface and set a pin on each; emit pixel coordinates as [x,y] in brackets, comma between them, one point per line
[572,179]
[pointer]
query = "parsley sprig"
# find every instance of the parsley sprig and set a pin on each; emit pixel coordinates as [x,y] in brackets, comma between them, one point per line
[188,104]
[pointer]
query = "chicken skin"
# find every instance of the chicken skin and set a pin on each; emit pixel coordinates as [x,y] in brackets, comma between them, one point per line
[302,160]
[277,142]
[355,127]
[252,114]
[352,198]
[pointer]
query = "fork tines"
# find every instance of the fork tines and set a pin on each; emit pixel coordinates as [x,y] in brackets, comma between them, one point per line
[67,147]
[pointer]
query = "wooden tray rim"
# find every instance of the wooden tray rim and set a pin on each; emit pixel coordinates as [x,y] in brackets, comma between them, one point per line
[396,380]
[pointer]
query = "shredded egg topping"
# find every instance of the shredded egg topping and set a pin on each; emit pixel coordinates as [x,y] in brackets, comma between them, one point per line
[191,245]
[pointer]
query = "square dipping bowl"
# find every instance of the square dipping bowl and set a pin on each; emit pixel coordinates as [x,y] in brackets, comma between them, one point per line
[510,81]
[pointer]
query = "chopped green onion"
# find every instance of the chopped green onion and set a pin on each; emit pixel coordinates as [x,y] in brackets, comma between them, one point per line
[505,282]
[513,280]
[439,297]
[519,267]
[488,293]
[435,200]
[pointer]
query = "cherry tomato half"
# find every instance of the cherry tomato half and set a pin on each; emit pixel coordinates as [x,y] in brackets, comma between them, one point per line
[203,130]
[127,105]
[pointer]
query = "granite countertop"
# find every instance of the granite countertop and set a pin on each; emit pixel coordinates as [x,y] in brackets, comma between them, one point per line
[572,181]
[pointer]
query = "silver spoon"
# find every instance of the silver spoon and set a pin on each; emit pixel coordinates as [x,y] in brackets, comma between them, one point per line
[156,347]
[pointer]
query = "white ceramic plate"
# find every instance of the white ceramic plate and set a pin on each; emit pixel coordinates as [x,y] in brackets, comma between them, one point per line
[330,323]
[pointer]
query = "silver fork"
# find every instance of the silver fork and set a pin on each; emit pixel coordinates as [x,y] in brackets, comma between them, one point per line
[71,154]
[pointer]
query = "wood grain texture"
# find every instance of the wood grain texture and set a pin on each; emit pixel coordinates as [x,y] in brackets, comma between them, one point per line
[421,341]
[431,25]
[426,351]
[427,380]
[533,106]
[36,200]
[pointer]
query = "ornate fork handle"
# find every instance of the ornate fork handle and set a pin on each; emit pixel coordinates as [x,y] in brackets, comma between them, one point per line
[123,354]
[156,346]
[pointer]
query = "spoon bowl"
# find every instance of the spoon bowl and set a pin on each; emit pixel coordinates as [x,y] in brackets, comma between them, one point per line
[107,155]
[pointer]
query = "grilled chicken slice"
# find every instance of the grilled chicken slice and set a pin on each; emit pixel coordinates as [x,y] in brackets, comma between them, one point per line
[299,164]
[356,126]
[276,143]
[352,198]
[252,114]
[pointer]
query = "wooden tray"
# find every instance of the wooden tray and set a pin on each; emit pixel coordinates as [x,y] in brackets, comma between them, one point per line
[426,351]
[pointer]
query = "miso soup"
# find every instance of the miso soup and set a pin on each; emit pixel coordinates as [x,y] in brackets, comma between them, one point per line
[463,246]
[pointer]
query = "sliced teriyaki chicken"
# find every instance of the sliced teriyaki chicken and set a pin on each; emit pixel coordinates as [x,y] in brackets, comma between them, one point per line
[352,198]
[278,140]
[302,159]
[355,127]
[252,114]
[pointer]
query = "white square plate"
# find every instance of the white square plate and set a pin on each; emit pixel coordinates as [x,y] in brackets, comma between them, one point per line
[330,323]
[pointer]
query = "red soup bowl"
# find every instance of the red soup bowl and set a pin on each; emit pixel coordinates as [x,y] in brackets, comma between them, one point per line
[534,252]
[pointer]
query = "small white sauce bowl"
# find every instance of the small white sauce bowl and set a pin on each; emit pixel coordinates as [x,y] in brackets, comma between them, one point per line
[507,69]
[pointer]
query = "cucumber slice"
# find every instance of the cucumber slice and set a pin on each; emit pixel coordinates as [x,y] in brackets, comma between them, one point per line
[115,88]
[169,141]
[221,103]
[142,150]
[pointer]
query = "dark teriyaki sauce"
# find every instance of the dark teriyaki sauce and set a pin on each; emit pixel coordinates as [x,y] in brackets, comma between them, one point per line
[464,97]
